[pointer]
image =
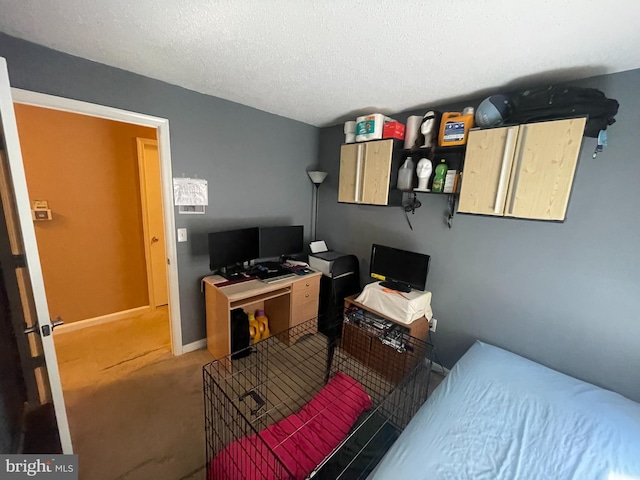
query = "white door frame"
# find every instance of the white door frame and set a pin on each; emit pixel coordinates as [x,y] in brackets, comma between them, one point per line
[164,150]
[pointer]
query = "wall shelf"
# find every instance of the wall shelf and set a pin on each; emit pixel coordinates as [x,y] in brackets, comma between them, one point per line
[432,193]
[438,150]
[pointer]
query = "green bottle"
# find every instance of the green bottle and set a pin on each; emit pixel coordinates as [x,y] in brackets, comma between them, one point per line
[438,179]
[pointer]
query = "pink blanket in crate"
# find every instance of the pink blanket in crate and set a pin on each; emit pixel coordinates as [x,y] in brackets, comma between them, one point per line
[301,441]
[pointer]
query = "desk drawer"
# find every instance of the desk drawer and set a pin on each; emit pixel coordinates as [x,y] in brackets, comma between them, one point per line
[304,296]
[307,284]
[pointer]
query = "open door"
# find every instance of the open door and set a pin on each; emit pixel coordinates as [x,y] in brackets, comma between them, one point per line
[153,221]
[22,272]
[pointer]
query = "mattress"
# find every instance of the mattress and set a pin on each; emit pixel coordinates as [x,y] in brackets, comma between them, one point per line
[500,416]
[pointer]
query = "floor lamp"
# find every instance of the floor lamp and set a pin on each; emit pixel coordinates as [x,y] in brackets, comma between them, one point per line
[317,178]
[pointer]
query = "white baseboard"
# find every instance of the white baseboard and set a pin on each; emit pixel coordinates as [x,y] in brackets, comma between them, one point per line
[193,346]
[92,322]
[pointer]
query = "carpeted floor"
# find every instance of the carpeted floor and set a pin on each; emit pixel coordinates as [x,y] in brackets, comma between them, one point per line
[135,411]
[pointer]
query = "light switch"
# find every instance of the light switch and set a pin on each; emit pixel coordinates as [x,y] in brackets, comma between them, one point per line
[182,235]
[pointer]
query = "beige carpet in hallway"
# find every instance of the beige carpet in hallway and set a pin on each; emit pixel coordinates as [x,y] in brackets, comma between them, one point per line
[135,411]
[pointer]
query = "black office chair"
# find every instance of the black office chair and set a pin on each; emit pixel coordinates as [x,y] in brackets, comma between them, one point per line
[344,281]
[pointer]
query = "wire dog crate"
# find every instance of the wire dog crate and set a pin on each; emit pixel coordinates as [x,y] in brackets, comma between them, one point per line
[302,405]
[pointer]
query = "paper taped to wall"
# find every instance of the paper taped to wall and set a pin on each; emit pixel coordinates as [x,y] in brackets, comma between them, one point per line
[190,191]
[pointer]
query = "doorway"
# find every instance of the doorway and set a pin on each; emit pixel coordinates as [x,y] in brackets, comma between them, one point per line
[83,173]
[161,127]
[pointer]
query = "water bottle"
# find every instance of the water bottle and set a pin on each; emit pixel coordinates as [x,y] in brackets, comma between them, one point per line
[440,176]
[405,176]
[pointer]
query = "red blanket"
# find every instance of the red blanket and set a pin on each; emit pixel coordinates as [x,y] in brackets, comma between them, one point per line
[300,441]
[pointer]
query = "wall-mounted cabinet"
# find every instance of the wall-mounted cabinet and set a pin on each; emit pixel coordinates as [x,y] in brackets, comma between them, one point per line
[522,171]
[368,174]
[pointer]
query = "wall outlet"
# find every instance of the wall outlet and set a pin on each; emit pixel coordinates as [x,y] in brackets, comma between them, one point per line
[182,235]
[433,324]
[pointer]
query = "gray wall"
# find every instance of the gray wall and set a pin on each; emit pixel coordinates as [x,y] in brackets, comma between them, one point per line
[566,295]
[255,162]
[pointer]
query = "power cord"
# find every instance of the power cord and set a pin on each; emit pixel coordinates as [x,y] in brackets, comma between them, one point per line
[411,207]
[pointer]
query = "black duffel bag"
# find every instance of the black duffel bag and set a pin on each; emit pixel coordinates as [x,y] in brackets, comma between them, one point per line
[549,103]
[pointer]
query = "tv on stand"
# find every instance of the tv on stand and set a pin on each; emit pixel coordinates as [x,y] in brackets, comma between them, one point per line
[399,270]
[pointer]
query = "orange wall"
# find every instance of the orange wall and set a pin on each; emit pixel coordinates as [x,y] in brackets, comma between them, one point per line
[92,252]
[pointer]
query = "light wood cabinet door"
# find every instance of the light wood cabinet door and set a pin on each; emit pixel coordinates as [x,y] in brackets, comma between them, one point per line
[376,172]
[543,169]
[487,168]
[350,166]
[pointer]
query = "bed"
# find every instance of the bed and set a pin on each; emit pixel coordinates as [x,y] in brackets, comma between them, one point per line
[500,416]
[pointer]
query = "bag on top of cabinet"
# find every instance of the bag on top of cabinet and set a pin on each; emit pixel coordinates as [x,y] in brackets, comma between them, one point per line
[553,102]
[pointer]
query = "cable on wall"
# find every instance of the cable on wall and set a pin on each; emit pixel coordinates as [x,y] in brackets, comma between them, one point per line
[411,207]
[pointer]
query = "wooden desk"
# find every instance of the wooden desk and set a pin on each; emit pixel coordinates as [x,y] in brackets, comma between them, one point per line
[286,303]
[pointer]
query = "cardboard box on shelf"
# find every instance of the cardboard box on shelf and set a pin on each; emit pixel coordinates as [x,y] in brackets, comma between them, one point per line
[393,130]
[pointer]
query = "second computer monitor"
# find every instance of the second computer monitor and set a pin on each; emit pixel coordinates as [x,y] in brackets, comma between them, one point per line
[233,246]
[281,241]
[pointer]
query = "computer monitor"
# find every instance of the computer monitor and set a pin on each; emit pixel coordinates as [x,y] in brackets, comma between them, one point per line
[280,241]
[399,269]
[232,247]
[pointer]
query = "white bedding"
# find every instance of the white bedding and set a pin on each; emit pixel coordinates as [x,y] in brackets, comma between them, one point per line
[499,416]
[402,307]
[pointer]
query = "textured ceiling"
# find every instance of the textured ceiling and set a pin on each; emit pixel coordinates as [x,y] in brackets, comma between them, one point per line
[322,61]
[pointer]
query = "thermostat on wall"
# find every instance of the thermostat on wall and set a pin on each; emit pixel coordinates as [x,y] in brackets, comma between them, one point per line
[40,210]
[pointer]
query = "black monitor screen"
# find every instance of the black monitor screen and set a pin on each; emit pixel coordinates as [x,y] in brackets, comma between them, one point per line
[233,246]
[278,241]
[400,266]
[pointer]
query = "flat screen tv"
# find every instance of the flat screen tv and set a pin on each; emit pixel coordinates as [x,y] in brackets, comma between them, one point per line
[280,241]
[232,247]
[399,269]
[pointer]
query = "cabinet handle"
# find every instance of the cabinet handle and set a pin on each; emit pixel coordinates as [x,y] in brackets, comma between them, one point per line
[364,172]
[358,165]
[307,284]
[503,170]
[516,178]
[307,295]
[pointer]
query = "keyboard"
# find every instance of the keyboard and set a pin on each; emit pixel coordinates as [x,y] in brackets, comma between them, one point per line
[270,270]
[281,276]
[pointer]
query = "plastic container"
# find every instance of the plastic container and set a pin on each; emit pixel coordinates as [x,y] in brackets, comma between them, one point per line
[405,176]
[254,328]
[370,127]
[350,132]
[454,127]
[263,323]
[440,177]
